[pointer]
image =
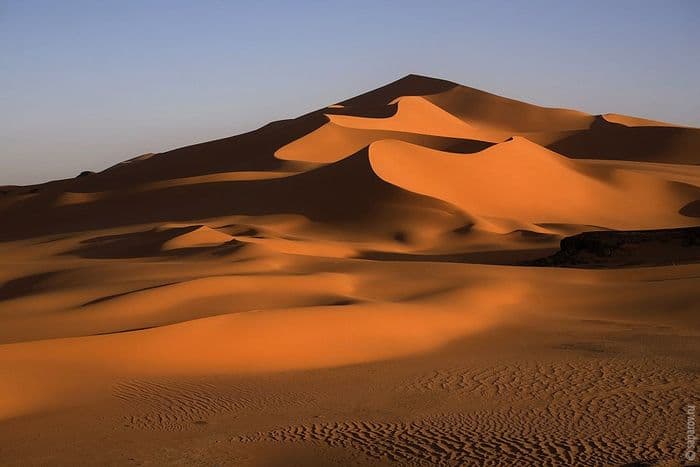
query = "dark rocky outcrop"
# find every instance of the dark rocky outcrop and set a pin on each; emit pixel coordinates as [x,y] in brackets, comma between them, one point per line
[626,248]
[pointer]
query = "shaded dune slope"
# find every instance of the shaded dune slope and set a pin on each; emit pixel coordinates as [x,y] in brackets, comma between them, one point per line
[410,85]
[492,111]
[153,242]
[253,151]
[609,140]
[346,193]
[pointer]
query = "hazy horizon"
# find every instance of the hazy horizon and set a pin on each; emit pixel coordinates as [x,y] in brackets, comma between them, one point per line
[86,86]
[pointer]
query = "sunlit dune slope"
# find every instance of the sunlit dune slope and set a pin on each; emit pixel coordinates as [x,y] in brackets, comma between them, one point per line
[415,115]
[332,142]
[519,183]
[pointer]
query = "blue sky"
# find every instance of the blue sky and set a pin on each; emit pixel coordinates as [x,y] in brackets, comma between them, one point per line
[85,84]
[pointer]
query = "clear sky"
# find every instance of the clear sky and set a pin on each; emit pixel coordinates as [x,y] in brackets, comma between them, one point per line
[85,84]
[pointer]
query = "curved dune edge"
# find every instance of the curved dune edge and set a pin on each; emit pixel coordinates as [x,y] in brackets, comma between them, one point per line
[541,187]
[72,198]
[414,115]
[198,236]
[333,142]
[606,140]
[629,120]
[506,115]
[161,239]
[250,342]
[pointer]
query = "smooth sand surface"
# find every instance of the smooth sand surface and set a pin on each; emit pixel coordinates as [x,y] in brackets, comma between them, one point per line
[343,289]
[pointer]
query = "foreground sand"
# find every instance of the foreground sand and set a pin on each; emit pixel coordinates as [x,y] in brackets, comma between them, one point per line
[405,361]
[347,288]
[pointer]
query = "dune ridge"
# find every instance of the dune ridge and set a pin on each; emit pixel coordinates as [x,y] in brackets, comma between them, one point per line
[542,186]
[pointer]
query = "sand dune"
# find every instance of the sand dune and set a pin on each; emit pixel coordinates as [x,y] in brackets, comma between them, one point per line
[378,282]
[409,85]
[153,242]
[541,186]
[327,194]
[332,142]
[417,115]
[494,112]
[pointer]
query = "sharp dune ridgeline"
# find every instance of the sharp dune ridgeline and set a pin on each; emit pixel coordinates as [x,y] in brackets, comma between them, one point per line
[424,274]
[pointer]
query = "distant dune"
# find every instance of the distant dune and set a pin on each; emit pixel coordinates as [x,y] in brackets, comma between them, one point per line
[424,274]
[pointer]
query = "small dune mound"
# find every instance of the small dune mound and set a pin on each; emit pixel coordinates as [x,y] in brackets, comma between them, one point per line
[196,237]
[160,240]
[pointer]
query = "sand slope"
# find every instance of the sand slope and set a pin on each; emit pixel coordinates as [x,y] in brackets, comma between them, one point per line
[541,186]
[491,111]
[609,140]
[416,115]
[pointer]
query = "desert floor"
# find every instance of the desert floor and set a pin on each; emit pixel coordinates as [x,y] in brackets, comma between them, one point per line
[351,362]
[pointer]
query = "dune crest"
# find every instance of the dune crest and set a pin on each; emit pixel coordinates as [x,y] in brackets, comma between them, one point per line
[197,236]
[499,113]
[414,115]
[541,186]
[628,120]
